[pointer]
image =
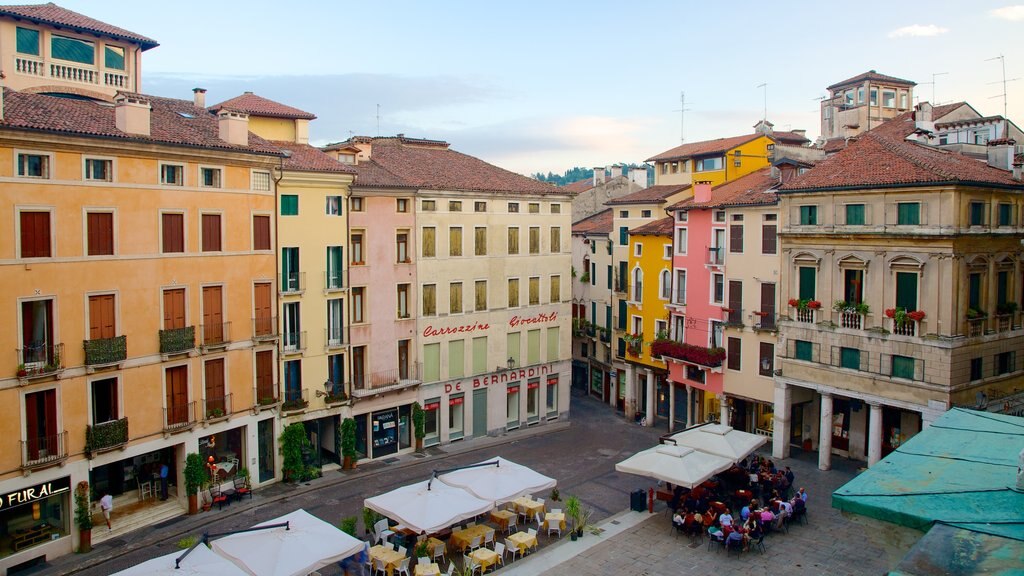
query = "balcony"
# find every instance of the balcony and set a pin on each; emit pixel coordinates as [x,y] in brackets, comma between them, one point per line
[1003,322]
[333,339]
[293,282]
[733,317]
[716,256]
[217,408]
[106,436]
[906,328]
[216,335]
[40,361]
[333,281]
[765,321]
[621,286]
[293,342]
[851,320]
[179,418]
[177,340]
[295,400]
[699,355]
[976,326]
[386,380]
[334,393]
[805,315]
[265,396]
[81,74]
[44,451]
[105,351]
[264,329]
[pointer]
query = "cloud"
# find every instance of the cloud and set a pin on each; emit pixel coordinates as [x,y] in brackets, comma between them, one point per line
[1012,13]
[918,30]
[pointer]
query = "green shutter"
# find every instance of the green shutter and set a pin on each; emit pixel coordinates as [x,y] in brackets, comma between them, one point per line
[480,355]
[850,358]
[456,358]
[72,49]
[512,346]
[432,362]
[113,57]
[533,347]
[623,236]
[808,281]
[974,291]
[903,367]
[553,344]
[622,314]
[854,214]
[803,350]
[289,205]
[906,290]
[609,276]
[593,312]
[608,317]
[1002,283]
[28,41]
[908,213]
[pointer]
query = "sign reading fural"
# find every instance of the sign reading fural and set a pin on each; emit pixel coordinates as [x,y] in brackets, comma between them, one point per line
[34,493]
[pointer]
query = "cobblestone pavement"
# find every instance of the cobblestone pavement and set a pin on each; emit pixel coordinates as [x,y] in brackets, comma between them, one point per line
[582,456]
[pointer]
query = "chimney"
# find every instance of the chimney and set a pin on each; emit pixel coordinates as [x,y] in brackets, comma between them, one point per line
[131,114]
[616,171]
[702,192]
[234,127]
[2,77]
[1000,153]
[599,176]
[199,97]
[923,117]
[1018,164]
[638,176]
[801,132]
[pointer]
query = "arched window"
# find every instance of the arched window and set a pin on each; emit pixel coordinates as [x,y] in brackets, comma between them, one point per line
[638,285]
[665,289]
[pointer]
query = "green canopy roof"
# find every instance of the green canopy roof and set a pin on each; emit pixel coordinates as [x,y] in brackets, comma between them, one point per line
[961,471]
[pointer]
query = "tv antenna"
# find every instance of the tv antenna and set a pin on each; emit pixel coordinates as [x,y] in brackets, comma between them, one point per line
[1002,62]
[934,76]
[378,120]
[765,86]
[682,117]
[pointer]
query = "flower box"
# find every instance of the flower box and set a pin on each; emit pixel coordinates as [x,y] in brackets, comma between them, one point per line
[712,357]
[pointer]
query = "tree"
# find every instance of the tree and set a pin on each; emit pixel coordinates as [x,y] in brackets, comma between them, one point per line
[293,444]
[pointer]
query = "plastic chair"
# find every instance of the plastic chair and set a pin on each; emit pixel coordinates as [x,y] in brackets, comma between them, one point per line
[499,549]
[402,550]
[553,527]
[512,549]
[513,524]
[379,566]
[382,531]
[475,543]
[145,490]
[403,567]
[422,560]
[468,562]
[451,569]
[489,539]
[438,552]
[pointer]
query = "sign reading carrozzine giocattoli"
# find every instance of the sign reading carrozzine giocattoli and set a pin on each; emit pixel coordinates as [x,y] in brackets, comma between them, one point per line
[514,322]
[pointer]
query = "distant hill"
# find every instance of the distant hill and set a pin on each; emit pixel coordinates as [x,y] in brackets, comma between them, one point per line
[574,175]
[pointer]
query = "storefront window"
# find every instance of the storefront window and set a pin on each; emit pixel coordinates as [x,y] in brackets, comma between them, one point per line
[385,433]
[456,417]
[226,450]
[765,418]
[532,400]
[512,406]
[430,425]
[28,519]
[552,397]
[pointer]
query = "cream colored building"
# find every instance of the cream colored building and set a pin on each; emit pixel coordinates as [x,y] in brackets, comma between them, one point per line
[592,300]
[858,104]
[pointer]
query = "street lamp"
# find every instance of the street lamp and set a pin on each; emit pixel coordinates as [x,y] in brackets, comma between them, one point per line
[328,388]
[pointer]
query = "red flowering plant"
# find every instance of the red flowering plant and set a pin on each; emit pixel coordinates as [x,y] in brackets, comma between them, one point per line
[794,302]
[814,304]
[916,315]
[712,357]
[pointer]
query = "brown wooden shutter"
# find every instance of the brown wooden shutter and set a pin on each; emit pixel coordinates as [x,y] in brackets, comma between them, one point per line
[736,238]
[173,233]
[262,313]
[177,394]
[100,227]
[101,317]
[735,302]
[768,239]
[174,308]
[768,300]
[265,375]
[213,315]
[215,392]
[767,352]
[261,232]
[211,233]
[733,353]
[32,424]
[35,234]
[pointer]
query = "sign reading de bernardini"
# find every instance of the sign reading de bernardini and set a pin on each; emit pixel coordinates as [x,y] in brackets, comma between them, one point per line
[33,493]
[513,375]
[513,322]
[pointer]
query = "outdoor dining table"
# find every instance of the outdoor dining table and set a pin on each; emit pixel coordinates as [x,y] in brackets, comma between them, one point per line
[523,540]
[485,557]
[501,518]
[528,506]
[461,539]
[555,517]
[428,570]
[389,556]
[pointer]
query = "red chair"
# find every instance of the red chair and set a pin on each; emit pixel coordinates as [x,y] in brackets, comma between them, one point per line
[219,498]
[242,488]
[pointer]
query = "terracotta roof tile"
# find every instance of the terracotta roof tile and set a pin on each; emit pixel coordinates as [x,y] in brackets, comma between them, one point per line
[706,147]
[259,106]
[175,122]
[432,165]
[653,195]
[600,223]
[661,227]
[579,186]
[306,158]
[754,189]
[873,76]
[788,137]
[54,15]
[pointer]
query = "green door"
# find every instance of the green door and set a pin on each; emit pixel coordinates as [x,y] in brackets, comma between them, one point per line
[479,413]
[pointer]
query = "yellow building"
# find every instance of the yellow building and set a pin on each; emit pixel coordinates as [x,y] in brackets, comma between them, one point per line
[156,250]
[313,312]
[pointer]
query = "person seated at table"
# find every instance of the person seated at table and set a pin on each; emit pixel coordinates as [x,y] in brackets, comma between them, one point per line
[785,509]
[745,511]
[771,467]
[702,504]
[802,494]
[799,506]
[767,516]
[725,519]
[678,519]
[677,495]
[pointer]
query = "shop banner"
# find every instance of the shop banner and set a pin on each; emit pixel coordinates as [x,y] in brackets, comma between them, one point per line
[35,493]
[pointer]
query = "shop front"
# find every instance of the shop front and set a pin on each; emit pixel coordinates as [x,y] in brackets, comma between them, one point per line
[495,402]
[387,432]
[701,386]
[224,452]
[33,520]
[131,475]
[753,416]
[323,441]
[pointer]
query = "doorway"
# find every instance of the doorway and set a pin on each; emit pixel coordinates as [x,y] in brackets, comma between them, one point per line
[479,413]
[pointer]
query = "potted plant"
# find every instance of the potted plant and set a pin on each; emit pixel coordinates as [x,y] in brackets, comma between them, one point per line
[572,512]
[418,428]
[813,304]
[348,525]
[862,308]
[554,494]
[83,517]
[1006,308]
[293,443]
[916,315]
[369,519]
[195,476]
[794,303]
[422,551]
[348,443]
[22,372]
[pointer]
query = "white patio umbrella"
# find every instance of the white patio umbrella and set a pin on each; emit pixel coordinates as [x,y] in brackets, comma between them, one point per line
[200,562]
[720,440]
[675,464]
[430,510]
[309,543]
[499,482]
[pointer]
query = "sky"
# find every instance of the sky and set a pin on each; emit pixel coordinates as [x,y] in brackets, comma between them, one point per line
[545,86]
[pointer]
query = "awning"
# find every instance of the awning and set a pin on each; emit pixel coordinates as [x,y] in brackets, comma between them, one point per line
[200,562]
[428,510]
[675,464]
[499,482]
[720,440]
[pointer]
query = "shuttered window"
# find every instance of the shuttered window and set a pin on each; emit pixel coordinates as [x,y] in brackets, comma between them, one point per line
[513,240]
[265,392]
[429,299]
[556,289]
[556,239]
[27,41]
[100,234]
[534,240]
[534,291]
[455,241]
[769,240]
[733,353]
[455,298]
[736,238]
[211,233]
[480,241]
[553,343]
[429,242]
[174,309]
[456,358]
[481,295]
[72,49]
[101,317]
[261,233]
[35,234]
[289,205]
[513,292]
[533,346]
[906,290]
[808,282]
[215,392]
[432,362]
[173,230]
[480,355]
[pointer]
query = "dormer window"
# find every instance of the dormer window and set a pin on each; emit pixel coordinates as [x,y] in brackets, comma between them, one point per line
[28,41]
[113,57]
[72,49]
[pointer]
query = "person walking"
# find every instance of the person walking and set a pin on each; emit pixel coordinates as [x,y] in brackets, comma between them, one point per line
[106,505]
[163,480]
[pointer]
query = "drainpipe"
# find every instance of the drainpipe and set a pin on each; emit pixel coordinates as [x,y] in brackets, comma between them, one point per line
[277,251]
